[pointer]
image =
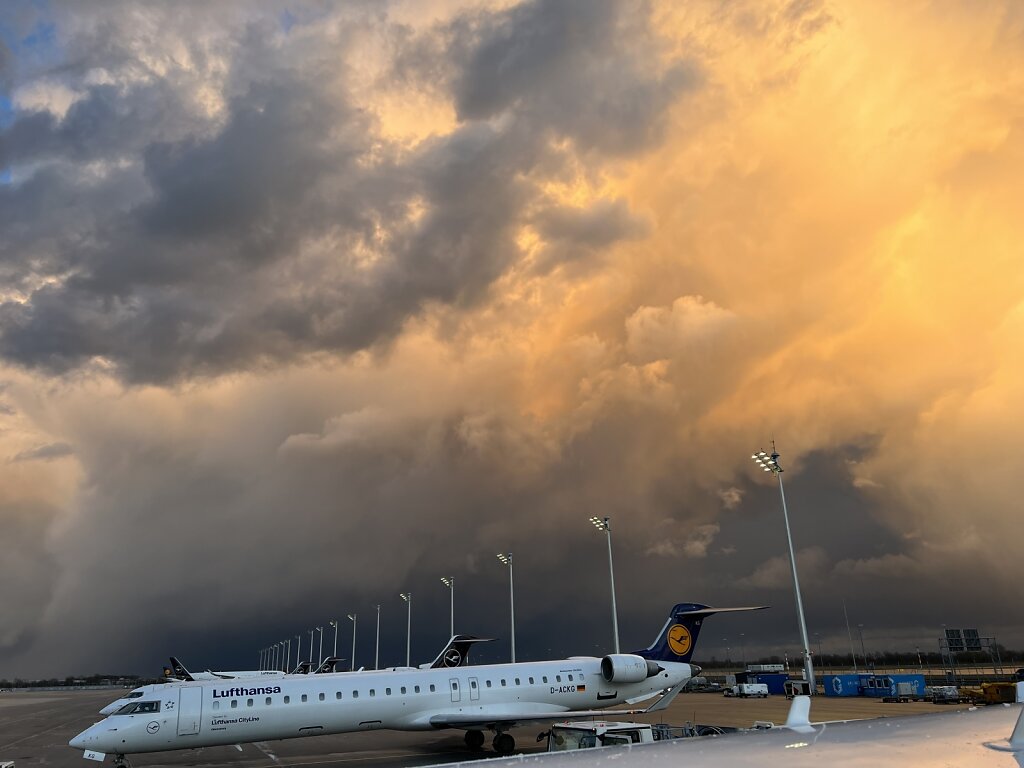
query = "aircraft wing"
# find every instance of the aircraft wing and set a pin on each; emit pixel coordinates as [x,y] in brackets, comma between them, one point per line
[514,716]
[992,737]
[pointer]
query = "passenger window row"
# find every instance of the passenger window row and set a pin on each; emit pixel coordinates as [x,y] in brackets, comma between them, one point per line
[286,699]
[155,706]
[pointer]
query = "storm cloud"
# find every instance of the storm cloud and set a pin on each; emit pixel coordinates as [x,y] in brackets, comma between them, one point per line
[303,308]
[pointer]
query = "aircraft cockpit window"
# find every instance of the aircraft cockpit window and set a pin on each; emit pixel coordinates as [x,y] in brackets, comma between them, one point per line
[135,695]
[139,708]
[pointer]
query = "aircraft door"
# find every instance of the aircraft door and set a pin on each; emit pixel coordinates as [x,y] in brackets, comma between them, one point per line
[190,710]
[456,693]
[474,689]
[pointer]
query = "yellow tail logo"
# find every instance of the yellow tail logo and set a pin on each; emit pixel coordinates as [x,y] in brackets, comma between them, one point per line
[679,640]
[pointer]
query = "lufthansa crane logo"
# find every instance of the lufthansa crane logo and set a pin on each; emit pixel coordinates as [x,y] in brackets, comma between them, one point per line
[452,658]
[153,727]
[679,640]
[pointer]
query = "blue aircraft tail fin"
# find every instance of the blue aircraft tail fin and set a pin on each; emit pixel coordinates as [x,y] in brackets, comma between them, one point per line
[678,637]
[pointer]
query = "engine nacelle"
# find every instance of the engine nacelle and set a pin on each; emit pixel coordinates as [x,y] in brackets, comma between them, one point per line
[627,668]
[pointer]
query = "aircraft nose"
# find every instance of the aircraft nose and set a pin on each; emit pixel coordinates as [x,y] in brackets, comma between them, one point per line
[81,741]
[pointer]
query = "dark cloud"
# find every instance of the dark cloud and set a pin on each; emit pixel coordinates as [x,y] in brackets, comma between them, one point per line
[571,69]
[44,453]
[200,248]
[240,245]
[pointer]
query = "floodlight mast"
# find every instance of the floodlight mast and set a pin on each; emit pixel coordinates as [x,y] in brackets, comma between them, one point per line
[407,597]
[770,463]
[449,581]
[353,617]
[604,524]
[506,559]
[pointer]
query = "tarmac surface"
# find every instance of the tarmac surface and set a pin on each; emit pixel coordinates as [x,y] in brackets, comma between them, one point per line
[35,729]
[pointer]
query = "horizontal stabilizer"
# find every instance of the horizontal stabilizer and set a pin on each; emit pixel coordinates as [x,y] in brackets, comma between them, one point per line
[678,637]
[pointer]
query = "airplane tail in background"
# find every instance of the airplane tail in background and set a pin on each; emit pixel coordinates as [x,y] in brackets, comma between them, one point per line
[456,653]
[678,637]
[177,671]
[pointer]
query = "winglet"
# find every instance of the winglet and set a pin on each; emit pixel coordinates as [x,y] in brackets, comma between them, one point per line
[1017,737]
[799,717]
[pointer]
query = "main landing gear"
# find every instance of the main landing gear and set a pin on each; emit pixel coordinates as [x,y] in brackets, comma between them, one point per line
[503,743]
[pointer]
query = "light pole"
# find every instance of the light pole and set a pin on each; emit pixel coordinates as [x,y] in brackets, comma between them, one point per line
[352,618]
[817,639]
[863,653]
[298,650]
[311,646]
[334,623]
[287,655]
[407,597]
[849,636]
[376,650]
[449,581]
[604,524]
[770,463]
[506,559]
[321,631]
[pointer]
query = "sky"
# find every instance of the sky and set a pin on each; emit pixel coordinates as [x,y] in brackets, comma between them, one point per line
[304,305]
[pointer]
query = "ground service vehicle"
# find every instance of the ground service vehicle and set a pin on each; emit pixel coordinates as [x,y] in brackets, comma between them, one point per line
[947,694]
[587,734]
[748,690]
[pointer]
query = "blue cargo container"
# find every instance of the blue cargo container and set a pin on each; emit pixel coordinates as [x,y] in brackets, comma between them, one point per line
[776,681]
[884,686]
[843,685]
[873,686]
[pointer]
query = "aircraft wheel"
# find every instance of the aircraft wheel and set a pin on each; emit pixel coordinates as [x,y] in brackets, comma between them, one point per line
[504,744]
[474,739]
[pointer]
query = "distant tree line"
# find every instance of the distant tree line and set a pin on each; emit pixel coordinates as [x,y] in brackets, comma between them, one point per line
[1006,656]
[133,680]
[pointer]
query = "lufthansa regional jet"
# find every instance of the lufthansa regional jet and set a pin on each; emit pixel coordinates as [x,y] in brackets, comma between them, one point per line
[494,697]
[454,654]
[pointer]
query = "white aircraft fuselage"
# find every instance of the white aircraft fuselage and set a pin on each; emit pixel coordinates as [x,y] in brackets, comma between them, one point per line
[209,713]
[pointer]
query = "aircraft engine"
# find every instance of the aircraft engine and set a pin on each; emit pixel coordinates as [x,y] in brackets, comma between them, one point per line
[627,668]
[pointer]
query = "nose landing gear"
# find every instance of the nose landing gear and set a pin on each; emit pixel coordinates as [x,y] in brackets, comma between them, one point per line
[120,761]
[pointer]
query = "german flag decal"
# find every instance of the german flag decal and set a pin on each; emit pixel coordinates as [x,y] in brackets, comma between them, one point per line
[581,688]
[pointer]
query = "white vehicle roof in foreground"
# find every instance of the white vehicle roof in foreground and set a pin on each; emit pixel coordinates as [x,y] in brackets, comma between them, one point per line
[974,737]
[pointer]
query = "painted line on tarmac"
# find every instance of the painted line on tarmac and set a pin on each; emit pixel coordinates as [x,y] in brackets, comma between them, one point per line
[263,747]
[40,733]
